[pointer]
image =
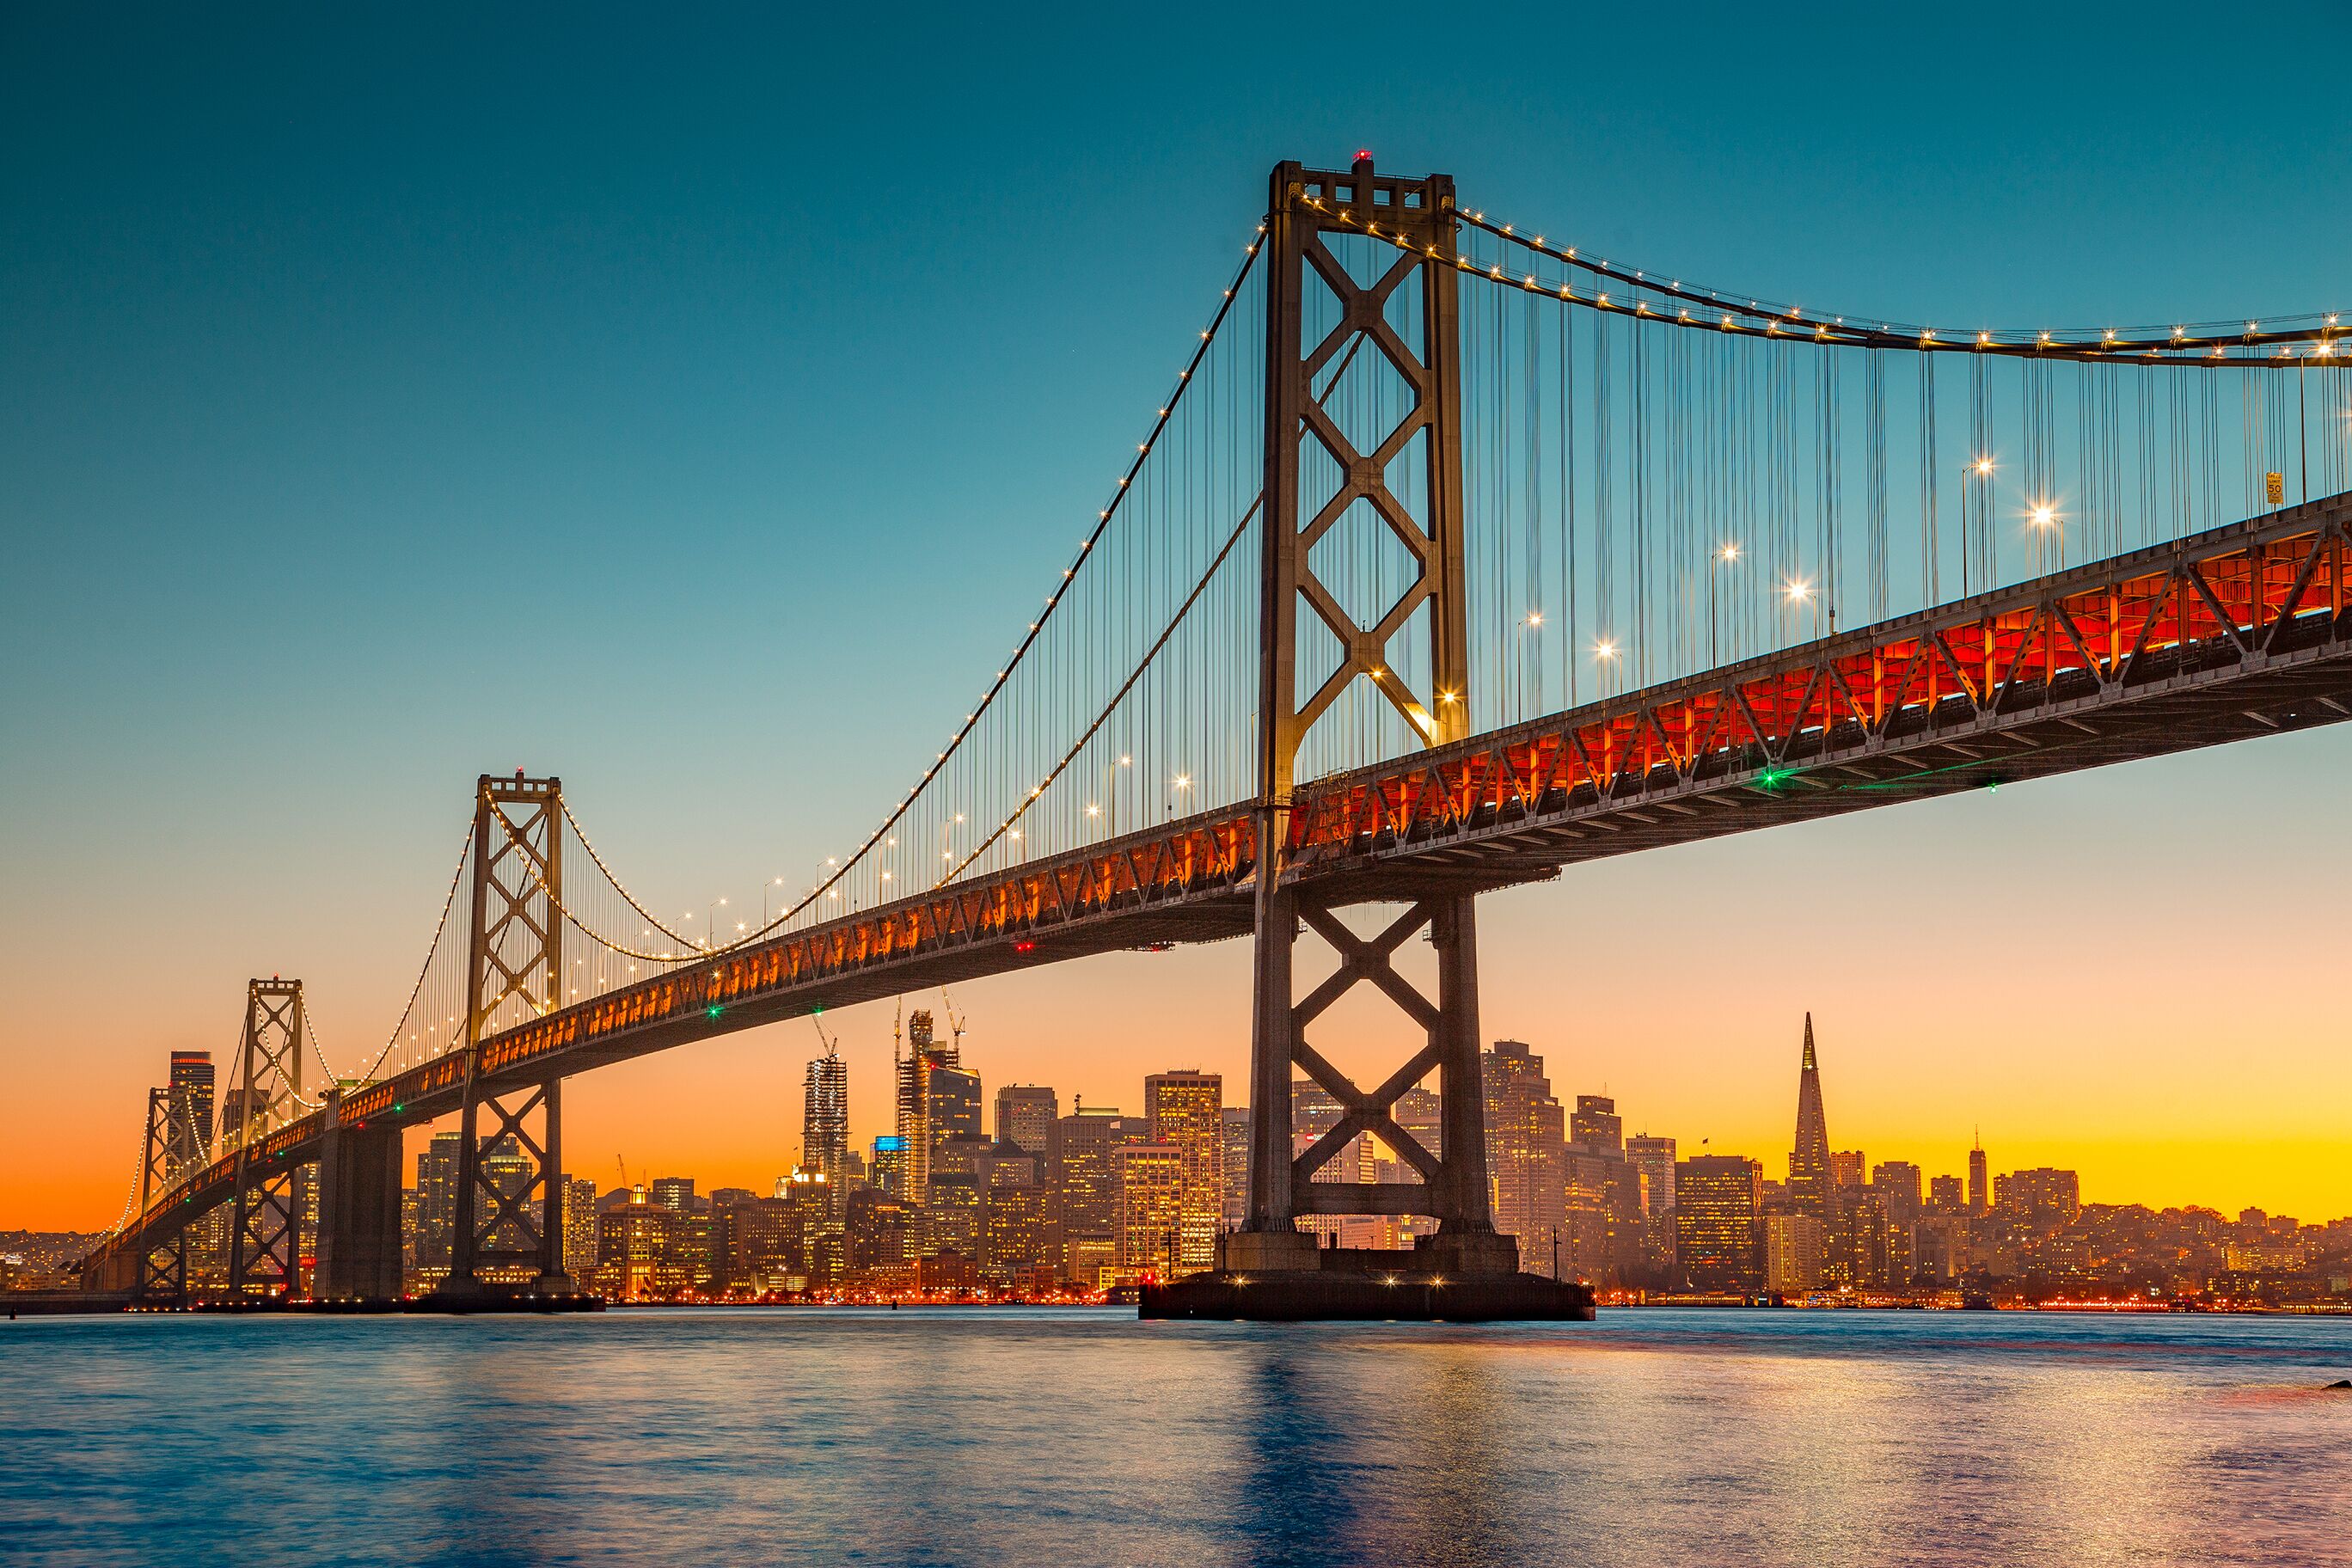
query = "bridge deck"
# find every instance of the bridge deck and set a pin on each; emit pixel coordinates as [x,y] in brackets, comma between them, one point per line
[2229,634]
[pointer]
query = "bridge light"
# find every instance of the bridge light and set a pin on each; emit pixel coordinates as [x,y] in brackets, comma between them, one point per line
[1983,466]
[1800,589]
[714,1010]
[1183,781]
[1534,617]
[2044,516]
[1604,649]
[1729,552]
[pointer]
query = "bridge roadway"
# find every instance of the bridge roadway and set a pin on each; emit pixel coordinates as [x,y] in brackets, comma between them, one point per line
[2230,635]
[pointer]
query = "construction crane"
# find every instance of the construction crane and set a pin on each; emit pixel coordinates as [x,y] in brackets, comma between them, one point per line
[832,1045]
[955,1020]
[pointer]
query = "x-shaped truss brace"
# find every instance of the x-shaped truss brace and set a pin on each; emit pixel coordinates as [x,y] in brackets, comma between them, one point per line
[498,1206]
[1364,477]
[265,1233]
[517,870]
[1365,959]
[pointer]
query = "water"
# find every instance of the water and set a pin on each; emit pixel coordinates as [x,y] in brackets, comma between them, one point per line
[1036,1437]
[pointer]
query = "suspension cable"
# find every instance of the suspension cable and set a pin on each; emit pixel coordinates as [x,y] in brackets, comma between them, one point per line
[2199,344]
[1248,516]
[456,878]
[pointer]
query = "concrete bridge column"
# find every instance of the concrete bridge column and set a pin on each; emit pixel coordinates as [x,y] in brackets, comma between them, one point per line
[359,1214]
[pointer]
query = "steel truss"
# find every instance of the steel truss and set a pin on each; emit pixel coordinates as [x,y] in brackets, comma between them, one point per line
[267,1098]
[516,962]
[164,1259]
[1306,206]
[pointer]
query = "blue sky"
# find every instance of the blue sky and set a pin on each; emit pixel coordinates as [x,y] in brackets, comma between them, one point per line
[687,404]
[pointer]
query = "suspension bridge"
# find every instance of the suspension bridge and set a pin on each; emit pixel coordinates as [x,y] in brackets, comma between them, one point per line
[1456,555]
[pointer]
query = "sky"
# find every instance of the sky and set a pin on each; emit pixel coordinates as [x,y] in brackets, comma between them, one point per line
[674,404]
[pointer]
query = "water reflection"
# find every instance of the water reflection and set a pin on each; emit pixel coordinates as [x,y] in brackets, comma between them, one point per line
[1042,1437]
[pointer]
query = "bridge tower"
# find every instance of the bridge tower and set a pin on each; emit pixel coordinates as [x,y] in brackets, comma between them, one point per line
[164,1259]
[264,1095]
[1312,210]
[510,1147]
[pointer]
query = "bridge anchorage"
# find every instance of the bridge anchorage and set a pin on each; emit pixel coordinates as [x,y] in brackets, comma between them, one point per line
[1453,559]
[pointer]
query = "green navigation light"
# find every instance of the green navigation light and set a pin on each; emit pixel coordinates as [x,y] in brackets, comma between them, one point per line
[398,1108]
[715,1009]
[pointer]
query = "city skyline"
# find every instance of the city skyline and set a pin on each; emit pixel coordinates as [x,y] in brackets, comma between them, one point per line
[865,1110]
[739,409]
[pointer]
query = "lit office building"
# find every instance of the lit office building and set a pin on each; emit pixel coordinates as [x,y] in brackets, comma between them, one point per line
[1527,1151]
[1186,1112]
[1025,1114]
[1152,1188]
[824,1122]
[1717,1200]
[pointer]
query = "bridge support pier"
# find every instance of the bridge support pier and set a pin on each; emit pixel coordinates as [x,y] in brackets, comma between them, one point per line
[502,1243]
[1271,1269]
[359,1256]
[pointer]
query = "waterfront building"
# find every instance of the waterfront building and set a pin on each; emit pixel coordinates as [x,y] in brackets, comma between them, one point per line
[880,1237]
[1793,1249]
[1152,1184]
[579,1229]
[1718,1199]
[748,1243]
[1526,1151]
[1013,1240]
[1025,1114]
[1185,1110]
[647,1251]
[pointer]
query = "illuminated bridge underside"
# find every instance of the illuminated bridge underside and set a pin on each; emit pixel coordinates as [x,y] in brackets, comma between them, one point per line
[2230,635]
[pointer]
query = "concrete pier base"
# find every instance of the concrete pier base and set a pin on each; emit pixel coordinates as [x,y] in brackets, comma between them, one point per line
[1269,1277]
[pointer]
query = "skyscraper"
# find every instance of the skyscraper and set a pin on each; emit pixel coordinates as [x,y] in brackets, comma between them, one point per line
[1654,1159]
[1596,1127]
[436,1208]
[1186,1112]
[1026,1113]
[824,1123]
[917,1114]
[1086,1182]
[1151,1189]
[1233,1149]
[1980,1184]
[1812,1181]
[1717,1199]
[188,1106]
[1527,1151]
